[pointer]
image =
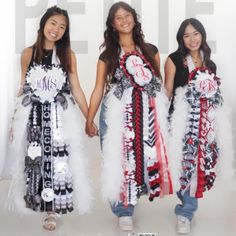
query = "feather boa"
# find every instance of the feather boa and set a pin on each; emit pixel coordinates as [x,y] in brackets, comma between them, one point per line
[178,125]
[224,139]
[112,177]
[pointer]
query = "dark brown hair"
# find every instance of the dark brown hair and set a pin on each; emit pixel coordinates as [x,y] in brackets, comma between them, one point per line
[204,46]
[63,49]
[111,39]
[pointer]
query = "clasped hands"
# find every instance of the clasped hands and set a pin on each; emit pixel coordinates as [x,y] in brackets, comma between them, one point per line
[91,129]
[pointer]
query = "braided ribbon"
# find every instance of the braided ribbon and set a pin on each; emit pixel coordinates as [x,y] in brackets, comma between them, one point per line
[138,141]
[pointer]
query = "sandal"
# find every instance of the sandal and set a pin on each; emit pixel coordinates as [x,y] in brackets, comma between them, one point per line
[50,221]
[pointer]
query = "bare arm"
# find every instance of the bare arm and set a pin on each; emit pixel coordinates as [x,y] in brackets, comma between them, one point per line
[170,70]
[25,61]
[96,96]
[76,89]
[157,60]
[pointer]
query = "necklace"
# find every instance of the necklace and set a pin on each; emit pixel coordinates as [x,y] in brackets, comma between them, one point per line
[194,62]
[46,53]
[197,60]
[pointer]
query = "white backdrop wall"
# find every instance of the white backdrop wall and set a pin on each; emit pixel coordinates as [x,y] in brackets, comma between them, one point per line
[160,20]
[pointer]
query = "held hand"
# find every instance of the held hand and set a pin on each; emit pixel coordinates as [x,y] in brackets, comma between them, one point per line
[96,129]
[91,129]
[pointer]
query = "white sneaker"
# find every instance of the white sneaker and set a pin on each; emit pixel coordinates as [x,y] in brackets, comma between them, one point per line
[125,223]
[183,225]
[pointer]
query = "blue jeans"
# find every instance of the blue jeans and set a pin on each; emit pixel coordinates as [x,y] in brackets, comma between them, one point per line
[117,208]
[120,210]
[188,207]
[102,122]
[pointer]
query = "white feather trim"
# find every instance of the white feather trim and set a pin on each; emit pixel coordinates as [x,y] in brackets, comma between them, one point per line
[224,139]
[112,174]
[162,106]
[73,130]
[17,152]
[178,127]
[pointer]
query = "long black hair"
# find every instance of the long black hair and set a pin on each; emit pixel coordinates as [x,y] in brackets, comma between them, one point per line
[111,39]
[63,48]
[204,46]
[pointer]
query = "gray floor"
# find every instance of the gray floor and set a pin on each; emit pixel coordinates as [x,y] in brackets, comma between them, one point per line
[216,216]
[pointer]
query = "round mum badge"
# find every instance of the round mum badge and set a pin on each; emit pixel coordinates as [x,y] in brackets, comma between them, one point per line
[46,82]
[47,194]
